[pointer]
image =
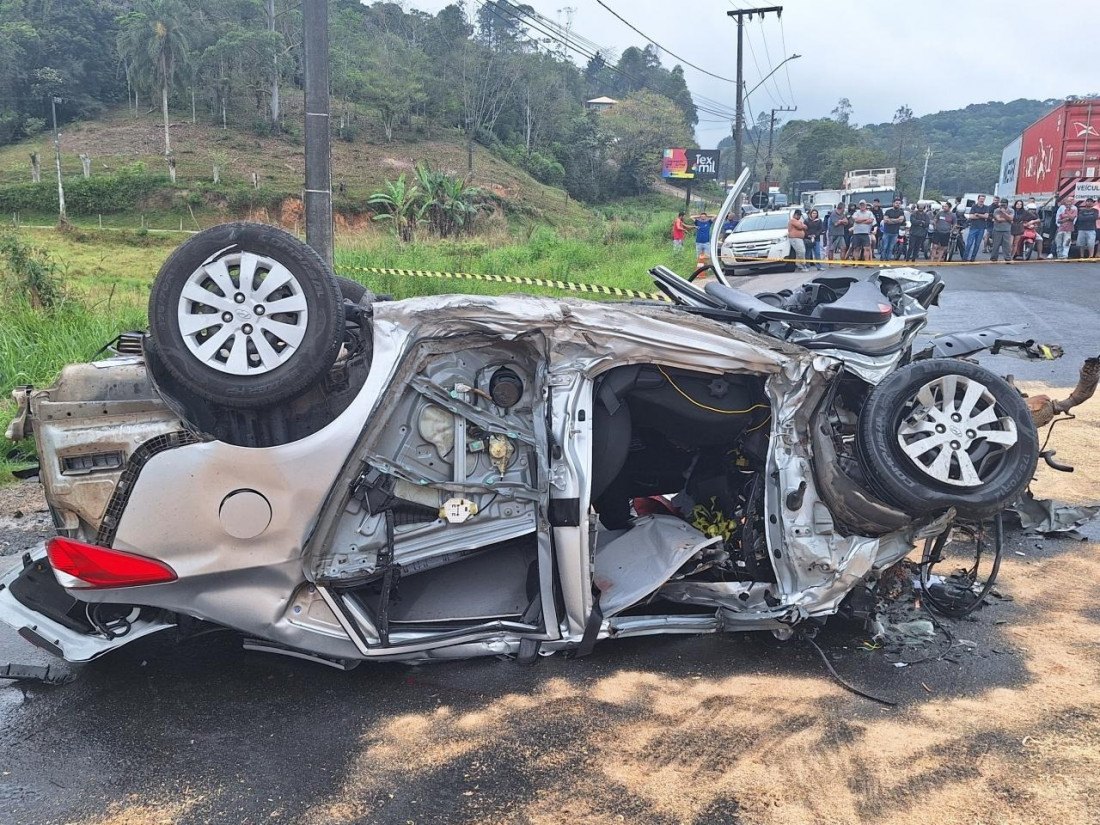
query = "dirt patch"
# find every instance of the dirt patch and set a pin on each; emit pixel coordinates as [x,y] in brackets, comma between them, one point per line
[352,223]
[291,212]
[24,519]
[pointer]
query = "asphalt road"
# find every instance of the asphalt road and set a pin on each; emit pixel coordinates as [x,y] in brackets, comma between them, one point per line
[201,731]
[1056,303]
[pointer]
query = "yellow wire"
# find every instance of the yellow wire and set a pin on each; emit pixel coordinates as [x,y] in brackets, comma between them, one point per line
[758,426]
[704,406]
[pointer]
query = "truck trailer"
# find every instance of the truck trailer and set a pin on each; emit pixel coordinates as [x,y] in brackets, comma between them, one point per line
[1056,157]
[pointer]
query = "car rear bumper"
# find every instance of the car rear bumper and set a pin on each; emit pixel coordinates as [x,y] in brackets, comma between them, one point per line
[54,637]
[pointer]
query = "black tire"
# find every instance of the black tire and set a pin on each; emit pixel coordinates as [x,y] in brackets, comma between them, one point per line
[353,291]
[897,478]
[310,359]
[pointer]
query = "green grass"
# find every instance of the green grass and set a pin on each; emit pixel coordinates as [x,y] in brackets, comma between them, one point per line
[121,139]
[108,275]
[35,344]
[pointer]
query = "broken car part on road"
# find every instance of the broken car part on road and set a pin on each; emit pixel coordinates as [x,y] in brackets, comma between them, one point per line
[455,476]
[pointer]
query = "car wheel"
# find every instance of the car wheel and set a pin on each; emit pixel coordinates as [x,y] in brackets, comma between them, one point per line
[352,291]
[245,315]
[945,433]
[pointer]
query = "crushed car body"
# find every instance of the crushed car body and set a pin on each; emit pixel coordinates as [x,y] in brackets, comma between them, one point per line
[462,475]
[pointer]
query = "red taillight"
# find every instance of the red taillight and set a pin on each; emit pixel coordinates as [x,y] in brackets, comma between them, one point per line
[93,566]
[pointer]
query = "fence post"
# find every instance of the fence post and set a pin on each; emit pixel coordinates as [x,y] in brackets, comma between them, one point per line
[101,221]
[142,220]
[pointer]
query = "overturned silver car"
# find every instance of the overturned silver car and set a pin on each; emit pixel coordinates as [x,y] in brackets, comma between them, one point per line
[343,478]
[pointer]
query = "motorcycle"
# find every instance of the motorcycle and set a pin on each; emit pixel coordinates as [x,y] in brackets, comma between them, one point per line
[1028,240]
[343,478]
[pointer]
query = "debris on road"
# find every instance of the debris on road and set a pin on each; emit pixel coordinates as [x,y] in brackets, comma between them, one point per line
[1047,517]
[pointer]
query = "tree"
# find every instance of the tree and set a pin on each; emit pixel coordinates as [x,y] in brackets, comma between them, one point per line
[152,38]
[488,78]
[842,114]
[639,128]
[394,81]
[903,130]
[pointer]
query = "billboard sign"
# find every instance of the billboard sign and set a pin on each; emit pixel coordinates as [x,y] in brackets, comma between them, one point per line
[1010,164]
[690,164]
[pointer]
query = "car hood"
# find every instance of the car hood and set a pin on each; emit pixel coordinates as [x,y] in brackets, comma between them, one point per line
[755,237]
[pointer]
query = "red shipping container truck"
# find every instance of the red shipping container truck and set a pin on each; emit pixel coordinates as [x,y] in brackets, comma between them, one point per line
[1056,156]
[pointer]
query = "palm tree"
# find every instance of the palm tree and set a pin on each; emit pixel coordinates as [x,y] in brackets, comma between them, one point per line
[404,206]
[451,203]
[152,39]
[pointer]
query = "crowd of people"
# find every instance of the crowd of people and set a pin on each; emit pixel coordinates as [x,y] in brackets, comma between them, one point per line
[865,231]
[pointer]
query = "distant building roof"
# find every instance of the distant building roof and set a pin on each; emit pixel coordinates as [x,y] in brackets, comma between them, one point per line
[606,100]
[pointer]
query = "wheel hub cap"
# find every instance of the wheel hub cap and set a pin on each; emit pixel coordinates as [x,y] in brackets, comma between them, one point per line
[242,314]
[953,432]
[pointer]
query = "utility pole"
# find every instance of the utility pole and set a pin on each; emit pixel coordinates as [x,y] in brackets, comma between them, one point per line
[62,217]
[924,177]
[771,131]
[739,126]
[318,190]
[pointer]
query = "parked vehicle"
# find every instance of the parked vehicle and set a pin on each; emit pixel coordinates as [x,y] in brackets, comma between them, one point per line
[462,475]
[822,200]
[1055,158]
[1027,242]
[901,247]
[759,242]
[868,184]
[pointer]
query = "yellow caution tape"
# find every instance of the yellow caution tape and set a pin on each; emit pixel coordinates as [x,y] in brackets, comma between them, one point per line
[522,280]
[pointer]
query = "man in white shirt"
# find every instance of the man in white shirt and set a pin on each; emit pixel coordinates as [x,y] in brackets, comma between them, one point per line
[863,221]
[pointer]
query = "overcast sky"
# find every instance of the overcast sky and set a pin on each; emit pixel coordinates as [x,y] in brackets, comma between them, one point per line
[879,55]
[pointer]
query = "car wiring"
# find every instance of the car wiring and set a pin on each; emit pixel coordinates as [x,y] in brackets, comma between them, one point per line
[932,557]
[672,383]
[840,680]
[115,629]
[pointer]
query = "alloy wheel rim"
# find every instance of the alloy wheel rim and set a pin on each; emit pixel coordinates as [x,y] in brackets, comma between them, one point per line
[242,314]
[952,431]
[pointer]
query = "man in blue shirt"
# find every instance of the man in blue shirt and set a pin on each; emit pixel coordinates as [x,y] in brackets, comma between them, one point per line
[978,221]
[703,225]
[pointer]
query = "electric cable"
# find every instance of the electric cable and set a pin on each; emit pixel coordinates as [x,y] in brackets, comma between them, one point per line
[756,64]
[520,15]
[786,67]
[672,383]
[840,679]
[768,56]
[662,48]
[932,558]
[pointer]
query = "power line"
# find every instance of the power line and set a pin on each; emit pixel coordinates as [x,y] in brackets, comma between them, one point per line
[768,55]
[659,46]
[752,52]
[520,15]
[786,69]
